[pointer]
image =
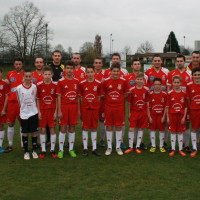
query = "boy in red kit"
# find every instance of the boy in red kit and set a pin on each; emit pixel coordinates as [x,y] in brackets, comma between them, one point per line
[67,91]
[14,78]
[193,93]
[138,118]
[156,114]
[46,104]
[89,91]
[4,90]
[176,114]
[114,89]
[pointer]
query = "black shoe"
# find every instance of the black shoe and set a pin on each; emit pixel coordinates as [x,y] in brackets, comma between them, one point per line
[8,149]
[187,149]
[143,146]
[165,145]
[85,152]
[96,153]
[198,145]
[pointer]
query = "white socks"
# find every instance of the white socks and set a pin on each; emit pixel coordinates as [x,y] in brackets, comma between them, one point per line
[53,141]
[131,138]
[10,135]
[161,138]
[43,142]
[61,141]
[71,139]
[2,133]
[139,138]
[173,141]
[109,135]
[180,141]
[118,138]
[94,140]
[153,138]
[85,139]
[194,140]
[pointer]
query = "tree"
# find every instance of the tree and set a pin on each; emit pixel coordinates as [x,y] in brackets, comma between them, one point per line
[98,45]
[25,29]
[127,50]
[171,44]
[69,51]
[185,51]
[145,47]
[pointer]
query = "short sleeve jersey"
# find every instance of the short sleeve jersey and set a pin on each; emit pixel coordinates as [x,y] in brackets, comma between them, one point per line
[46,93]
[80,73]
[68,89]
[14,79]
[114,91]
[90,92]
[157,102]
[123,73]
[185,75]
[162,74]
[138,98]
[4,90]
[26,97]
[176,101]
[37,77]
[99,76]
[193,93]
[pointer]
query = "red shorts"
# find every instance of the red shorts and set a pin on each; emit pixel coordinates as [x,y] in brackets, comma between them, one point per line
[13,111]
[114,116]
[47,118]
[102,109]
[3,118]
[89,118]
[194,115]
[157,124]
[70,114]
[175,125]
[138,119]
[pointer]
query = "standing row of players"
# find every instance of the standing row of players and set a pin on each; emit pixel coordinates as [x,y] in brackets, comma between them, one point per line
[62,100]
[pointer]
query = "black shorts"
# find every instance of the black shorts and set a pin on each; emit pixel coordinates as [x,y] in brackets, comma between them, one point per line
[30,125]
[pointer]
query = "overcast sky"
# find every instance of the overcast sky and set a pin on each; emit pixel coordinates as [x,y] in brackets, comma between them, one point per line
[131,22]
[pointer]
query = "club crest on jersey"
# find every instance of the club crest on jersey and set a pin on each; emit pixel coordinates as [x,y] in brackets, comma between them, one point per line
[153,100]
[186,79]
[131,82]
[32,93]
[163,77]
[52,91]
[75,86]
[143,96]
[12,79]
[152,78]
[1,87]
[182,99]
[110,86]
[119,87]
[43,90]
[82,75]
[95,88]
[162,100]
[193,91]
[66,86]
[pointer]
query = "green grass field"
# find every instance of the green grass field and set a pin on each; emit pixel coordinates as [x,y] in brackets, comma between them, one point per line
[147,176]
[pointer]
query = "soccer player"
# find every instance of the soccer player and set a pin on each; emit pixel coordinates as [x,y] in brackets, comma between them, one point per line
[89,91]
[37,74]
[79,71]
[14,79]
[195,60]
[176,114]
[114,89]
[193,93]
[4,90]
[138,116]
[26,93]
[68,108]
[46,104]
[156,114]
[99,75]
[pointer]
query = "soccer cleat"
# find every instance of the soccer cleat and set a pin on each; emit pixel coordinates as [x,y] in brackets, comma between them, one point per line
[153,149]
[42,155]
[119,151]
[102,143]
[165,145]
[85,152]
[172,153]
[26,156]
[143,146]
[34,154]
[129,150]
[187,149]
[53,154]
[96,153]
[162,150]
[108,152]
[1,150]
[137,150]
[123,146]
[194,153]
[72,154]
[60,154]
[8,149]
[182,153]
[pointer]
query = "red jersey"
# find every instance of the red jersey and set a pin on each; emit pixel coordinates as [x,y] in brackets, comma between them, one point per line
[46,93]
[4,89]
[193,93]
[100,76]
[114,91]
[14,79]
[80,73]
[123,73]
[185,75]
[90,92]
[190,66]
[176,101]
[37,77]
[157,102]
[68,89]
[138,98]
[130,78]
[162,74]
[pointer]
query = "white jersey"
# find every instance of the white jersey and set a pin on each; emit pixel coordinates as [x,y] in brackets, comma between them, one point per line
[26,98]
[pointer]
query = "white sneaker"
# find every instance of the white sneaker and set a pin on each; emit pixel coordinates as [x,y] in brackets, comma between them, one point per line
[26,156]
[119,151]
[108,152]
[34,154]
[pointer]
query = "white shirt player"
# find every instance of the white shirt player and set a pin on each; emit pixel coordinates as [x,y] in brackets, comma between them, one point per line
[26,98]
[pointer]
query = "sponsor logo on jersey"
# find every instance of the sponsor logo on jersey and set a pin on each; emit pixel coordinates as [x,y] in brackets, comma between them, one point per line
[34,80]
[47,99]
[12,79]
[90,97]
[151,78]
[13,89]
[114,95]
[132,82]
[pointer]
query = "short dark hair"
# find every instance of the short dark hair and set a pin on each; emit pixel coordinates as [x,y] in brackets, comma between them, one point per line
[196,52]
[180,56]
[19,59]
[135,60]
[27,70]
[116,54]
[196,69]
[90,67]
[70,63]
[76,53]
[115,65]
[47,68]
[57,51]
[157,79]
[139,74]
[39,57]
[156,55]
[177,77]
